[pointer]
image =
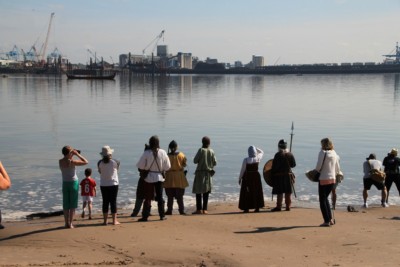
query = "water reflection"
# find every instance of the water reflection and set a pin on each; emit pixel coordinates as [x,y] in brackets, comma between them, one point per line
[45,113]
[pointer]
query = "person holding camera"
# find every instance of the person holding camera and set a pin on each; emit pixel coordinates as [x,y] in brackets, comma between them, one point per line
[70,182]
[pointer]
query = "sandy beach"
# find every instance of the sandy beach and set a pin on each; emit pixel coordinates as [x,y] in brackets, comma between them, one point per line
[224,237]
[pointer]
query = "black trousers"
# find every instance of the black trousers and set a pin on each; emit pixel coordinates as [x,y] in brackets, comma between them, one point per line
[109,194]
[390,179]
[324,192]
[158,191]
[175,193]
[199,205]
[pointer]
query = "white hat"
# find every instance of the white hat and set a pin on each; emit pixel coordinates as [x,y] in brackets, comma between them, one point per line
[393,152]
[106,151]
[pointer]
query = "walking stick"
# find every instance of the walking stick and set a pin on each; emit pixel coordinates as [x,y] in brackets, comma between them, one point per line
[290,150]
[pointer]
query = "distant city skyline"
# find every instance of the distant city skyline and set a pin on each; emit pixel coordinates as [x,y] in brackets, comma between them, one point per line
[283,32]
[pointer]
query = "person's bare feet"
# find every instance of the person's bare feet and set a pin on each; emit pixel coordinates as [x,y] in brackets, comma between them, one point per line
[116,223]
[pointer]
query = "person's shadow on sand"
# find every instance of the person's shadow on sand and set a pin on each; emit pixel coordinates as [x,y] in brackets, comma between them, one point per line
[272,229]
[46,230]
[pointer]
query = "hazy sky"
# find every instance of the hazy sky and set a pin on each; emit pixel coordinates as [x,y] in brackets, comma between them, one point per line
[283,31]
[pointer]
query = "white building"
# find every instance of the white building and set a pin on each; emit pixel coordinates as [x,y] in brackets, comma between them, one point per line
[185,60]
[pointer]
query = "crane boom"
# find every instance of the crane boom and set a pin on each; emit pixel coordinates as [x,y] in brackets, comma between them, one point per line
[43,51]
[155,40]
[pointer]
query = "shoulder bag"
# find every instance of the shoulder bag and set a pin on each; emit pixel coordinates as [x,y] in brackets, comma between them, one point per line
[313,175]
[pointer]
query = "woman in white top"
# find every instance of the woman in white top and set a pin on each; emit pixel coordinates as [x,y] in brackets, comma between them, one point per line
[108,169]
[251,191]
[328,165]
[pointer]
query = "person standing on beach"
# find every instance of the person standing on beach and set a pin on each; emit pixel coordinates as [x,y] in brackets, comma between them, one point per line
[372,163]
[70,185]
[154,160]
[109,183]
[5,183]
[392,163]
[251,190]
[281,176]
[88,191]
[328,164]
[175,178]
[202,184]
[139,201]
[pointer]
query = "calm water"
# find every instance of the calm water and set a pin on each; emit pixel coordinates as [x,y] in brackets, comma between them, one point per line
[40,114]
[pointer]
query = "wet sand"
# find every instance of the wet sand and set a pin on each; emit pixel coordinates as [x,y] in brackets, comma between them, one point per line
[224,237]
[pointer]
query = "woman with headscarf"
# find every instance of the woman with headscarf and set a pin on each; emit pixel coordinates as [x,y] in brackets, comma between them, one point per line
[202,184]
[251,191]
[281,176]
[109,182]
[175,179]
[328,164]
[70,183]
[155,162]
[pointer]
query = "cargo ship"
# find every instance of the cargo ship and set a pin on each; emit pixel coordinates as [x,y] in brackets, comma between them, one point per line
[391,64]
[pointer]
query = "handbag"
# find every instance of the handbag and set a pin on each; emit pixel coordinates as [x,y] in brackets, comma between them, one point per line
[339,177]
[313,175]
[212,172]
[376,175]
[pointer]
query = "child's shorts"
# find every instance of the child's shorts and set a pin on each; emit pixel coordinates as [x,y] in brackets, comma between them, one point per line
[87,199]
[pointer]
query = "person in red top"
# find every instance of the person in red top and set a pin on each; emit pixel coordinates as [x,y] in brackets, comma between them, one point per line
[88,191]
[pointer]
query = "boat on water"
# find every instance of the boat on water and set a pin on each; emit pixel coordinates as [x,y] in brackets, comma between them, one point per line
[103,76]
[91,74]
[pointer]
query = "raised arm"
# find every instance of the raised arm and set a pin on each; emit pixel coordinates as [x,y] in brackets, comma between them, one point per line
[82,160]
[5,181]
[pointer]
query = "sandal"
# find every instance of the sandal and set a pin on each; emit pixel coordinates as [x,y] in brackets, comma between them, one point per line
[327,224]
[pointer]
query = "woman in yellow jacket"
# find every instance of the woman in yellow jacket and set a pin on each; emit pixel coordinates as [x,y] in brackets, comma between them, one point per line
[175,179]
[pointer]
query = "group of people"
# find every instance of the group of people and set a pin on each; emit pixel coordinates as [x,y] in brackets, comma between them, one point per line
[158,170]
[390,166]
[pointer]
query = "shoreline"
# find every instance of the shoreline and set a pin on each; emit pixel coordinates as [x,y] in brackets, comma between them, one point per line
[224,237]
[190,205]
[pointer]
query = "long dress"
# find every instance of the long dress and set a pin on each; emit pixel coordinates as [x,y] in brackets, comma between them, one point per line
[206,161]
[251,191]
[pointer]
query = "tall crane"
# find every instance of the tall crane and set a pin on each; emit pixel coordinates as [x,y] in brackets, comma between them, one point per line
[94,56]
[396,55]
[155,42]
[44,47]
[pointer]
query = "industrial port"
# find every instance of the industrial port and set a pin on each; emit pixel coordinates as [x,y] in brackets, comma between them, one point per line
[155,59]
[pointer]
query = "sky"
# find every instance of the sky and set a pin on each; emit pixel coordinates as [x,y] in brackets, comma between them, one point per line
[282,31]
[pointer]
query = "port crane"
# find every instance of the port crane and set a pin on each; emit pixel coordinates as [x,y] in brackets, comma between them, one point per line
[396,55]
[155,42]
[94,56]
[13,54]
[42,53]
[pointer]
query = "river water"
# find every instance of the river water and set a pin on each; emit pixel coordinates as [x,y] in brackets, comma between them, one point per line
[41,114]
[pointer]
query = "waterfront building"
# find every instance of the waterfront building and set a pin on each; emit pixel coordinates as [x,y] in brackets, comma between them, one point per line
[185,60]
[258,61]
[162,51]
